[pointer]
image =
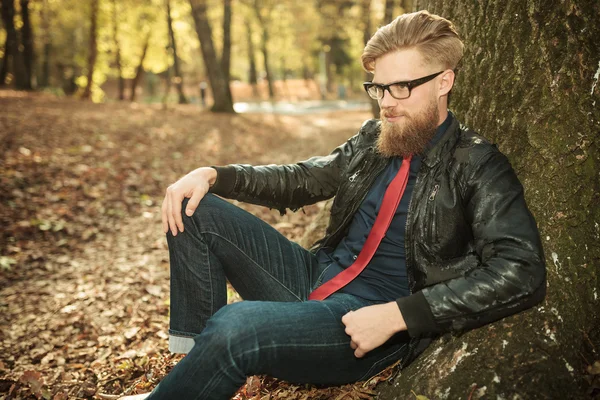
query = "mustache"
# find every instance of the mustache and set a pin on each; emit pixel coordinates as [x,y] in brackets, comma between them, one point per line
[389,114]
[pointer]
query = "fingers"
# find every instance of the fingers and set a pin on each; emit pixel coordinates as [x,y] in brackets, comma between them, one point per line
[171,206]
[171,218]
[358,353]
[346,318]
[165,219]
[176,200]
[194,201]
[171,209]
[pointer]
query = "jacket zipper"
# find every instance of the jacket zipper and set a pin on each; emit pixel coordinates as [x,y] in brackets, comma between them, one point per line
[434,192]
[407,249]
[356,204]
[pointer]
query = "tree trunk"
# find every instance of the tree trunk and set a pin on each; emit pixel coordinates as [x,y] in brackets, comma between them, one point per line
[252,77]
[47,48]
[329,74]
[93,50]
[263,47]
[226,55]
[366,15]
[168,82]
[28,49]
[13,60]
[218,84]
[140,69]
[117,45]
[529,82]
[5,57]
[389,11]
[408,6]
[173,44]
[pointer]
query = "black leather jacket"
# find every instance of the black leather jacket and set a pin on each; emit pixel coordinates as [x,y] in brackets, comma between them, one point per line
[473,251]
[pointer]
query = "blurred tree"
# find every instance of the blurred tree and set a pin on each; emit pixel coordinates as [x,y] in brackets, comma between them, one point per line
[173,45]
[10,43]
[366,14]
[27,44]
[408,6]
[13,59]
[216,77]
[226,53]
[334,37]
[47,44]
[117,50]
[252,76]
[139,72]
[263,9]
[93,50]
[389,11]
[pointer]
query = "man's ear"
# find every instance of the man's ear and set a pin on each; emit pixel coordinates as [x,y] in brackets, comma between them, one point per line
[446,82]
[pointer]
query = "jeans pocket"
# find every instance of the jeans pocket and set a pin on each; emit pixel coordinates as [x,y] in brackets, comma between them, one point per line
[386,361]
[321,276]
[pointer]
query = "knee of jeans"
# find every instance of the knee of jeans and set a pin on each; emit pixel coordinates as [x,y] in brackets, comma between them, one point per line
[233,329]
[207,209]
[209,204]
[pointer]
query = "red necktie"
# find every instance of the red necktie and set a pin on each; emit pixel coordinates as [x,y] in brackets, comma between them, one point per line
[391,199]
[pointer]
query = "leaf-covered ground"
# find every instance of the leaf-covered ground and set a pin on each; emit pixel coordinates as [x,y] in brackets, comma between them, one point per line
[84,276]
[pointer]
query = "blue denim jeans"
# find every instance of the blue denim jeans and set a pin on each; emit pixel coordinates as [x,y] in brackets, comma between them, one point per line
[275,330]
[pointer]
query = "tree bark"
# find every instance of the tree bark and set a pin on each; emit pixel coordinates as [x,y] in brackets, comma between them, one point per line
[139,72]
[28,49]
[173,44]
[366,15]
[252,76]
[218,84]
[408,6]
[117,45]
[263,47]
[529,82]
[93,50]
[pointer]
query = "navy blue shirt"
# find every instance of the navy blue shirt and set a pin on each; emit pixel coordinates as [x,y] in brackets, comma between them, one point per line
[384,278]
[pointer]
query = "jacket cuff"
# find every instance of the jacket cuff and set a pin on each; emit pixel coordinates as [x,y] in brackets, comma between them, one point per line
[417,315]
[225,182]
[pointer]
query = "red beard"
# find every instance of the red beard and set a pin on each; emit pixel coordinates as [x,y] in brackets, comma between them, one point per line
[410,137]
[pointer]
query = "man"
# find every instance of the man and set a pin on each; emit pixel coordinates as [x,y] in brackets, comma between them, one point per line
[429,233]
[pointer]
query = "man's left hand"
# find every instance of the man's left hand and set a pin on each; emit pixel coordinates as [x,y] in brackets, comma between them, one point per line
[370,327]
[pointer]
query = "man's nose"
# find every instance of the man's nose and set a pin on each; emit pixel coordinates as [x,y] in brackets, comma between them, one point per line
[387,100]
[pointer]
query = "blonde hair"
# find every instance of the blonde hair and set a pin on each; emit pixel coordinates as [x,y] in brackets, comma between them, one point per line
[434,37]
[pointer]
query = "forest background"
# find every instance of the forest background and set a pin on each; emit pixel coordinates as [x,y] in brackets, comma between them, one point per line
[107,50]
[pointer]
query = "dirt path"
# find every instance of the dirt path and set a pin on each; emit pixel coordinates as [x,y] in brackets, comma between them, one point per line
[84,265]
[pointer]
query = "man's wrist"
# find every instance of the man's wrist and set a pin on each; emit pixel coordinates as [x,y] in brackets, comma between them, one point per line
[398,322]
[212,176]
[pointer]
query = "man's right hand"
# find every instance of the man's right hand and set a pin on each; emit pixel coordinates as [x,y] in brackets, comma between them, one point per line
[194,186]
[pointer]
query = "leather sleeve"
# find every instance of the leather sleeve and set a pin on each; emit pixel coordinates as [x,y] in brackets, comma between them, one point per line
[287,186]
[511,273]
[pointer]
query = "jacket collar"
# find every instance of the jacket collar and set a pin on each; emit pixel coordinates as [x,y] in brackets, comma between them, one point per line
[447,141]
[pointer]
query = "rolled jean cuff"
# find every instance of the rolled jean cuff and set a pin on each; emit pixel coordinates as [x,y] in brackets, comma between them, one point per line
[180,344]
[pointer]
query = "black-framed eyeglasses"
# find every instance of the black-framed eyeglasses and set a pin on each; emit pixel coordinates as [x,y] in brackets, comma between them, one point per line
[398,90]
